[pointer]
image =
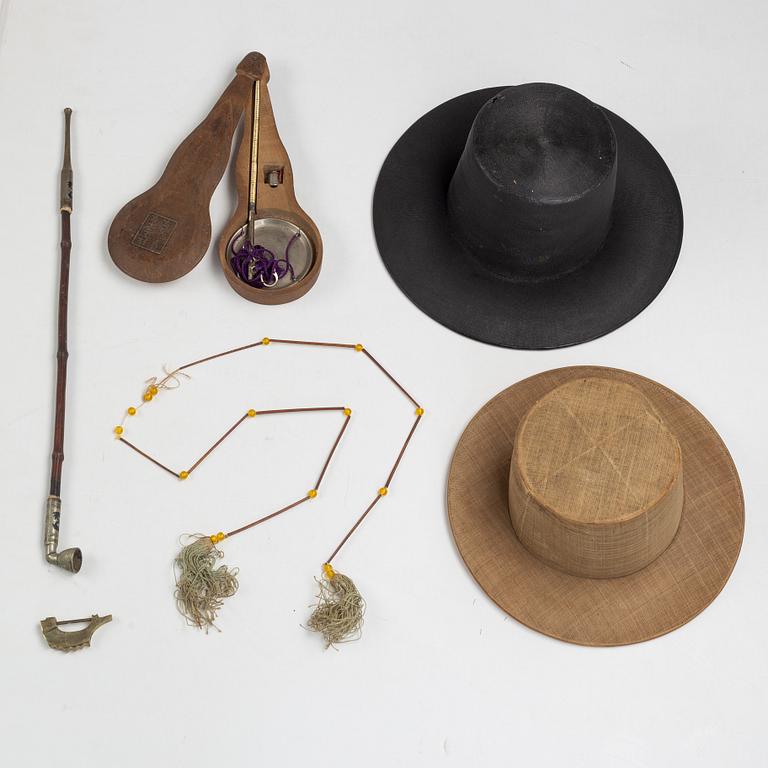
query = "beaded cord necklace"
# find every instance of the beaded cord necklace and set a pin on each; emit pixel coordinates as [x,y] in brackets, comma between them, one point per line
[200,586]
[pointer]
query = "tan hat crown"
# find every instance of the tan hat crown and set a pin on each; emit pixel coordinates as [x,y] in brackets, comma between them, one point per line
[596,479]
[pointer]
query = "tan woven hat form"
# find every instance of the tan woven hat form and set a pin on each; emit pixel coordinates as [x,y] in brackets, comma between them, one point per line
[595,506]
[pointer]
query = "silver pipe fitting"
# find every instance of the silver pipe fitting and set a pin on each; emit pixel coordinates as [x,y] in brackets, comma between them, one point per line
[68,559]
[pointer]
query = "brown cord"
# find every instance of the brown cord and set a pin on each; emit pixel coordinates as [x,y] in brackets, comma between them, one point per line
[147,456]
[264,342]
[217,443]
[389,375]
[386,485]
[234,427]
[319,479]
[313,343]
[333,450]
[353,529]
[220,354]
[300,410]
[402,451]
[268,517]
[259,413]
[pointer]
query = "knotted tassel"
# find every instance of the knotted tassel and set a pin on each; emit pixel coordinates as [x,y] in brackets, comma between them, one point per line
[201,588]
[338,614]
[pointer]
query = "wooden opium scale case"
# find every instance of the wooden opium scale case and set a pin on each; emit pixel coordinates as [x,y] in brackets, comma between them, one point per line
[163,233]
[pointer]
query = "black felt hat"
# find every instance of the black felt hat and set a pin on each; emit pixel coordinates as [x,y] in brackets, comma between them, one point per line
[527,217]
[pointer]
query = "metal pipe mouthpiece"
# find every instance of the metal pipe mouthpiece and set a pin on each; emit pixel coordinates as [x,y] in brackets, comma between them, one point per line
[69,559]
[66,184]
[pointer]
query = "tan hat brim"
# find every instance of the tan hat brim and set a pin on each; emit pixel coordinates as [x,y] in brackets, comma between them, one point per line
[669,592]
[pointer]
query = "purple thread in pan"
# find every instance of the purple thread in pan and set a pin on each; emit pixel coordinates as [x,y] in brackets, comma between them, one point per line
[259,267]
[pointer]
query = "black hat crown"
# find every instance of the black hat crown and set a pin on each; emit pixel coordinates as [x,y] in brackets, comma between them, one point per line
[532,195]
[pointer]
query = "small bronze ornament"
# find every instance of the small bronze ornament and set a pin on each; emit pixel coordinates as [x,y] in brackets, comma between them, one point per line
[60,640]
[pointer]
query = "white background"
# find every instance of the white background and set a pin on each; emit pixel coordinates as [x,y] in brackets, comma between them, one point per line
[441,676]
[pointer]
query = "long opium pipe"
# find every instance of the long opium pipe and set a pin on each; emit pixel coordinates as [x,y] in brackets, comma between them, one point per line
[69,559]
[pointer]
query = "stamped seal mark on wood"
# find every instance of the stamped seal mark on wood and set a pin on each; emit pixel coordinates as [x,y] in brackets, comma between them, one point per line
[153,235]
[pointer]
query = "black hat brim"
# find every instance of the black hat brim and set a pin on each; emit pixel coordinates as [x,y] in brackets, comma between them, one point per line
[437,274]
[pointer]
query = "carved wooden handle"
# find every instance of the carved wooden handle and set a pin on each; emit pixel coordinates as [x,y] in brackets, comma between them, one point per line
[254,67]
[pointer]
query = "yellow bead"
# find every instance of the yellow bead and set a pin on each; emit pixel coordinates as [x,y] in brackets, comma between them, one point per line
[312,493]
[329,572]
[153,390]
[147,397]
[383,491]
[265,341]
[220,536]
[251,413]
[131,411]
[347,411]
[213,538]
[183,475]
[419,411]
[118,430]
[358,347]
